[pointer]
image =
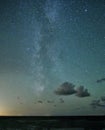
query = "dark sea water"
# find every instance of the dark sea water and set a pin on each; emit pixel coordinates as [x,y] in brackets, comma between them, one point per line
[51,123]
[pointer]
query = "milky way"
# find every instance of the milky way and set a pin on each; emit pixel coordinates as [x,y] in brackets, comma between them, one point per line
[44,43]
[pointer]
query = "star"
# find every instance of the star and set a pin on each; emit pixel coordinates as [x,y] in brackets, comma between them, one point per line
[85,10]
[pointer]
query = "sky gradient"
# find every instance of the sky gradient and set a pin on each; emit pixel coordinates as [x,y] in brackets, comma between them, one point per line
[44,43]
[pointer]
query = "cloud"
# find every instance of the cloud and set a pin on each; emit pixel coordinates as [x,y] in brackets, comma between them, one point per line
[95,103]
[98,103]
[40,101]
[61,100]
[48,101]
[81,92]
[103,98]
[65,89]
[100,80]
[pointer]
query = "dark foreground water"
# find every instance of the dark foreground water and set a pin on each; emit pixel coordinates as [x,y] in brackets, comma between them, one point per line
[52,123]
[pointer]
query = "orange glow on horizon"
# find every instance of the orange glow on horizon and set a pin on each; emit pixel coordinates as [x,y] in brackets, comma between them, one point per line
[4,112]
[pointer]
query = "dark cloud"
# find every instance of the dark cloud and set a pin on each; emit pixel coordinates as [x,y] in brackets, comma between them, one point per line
[100,80]
[40,101]
[98,103]
[81,92]
[61,100]
[19,100]
[103,98]
[103,79]
[95,103]
[65,89]
[48,101]
[18,97]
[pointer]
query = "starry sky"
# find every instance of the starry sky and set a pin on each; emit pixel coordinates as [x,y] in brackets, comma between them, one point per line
[44,43]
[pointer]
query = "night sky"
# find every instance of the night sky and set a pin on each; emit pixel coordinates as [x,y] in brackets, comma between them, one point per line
[45,43]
